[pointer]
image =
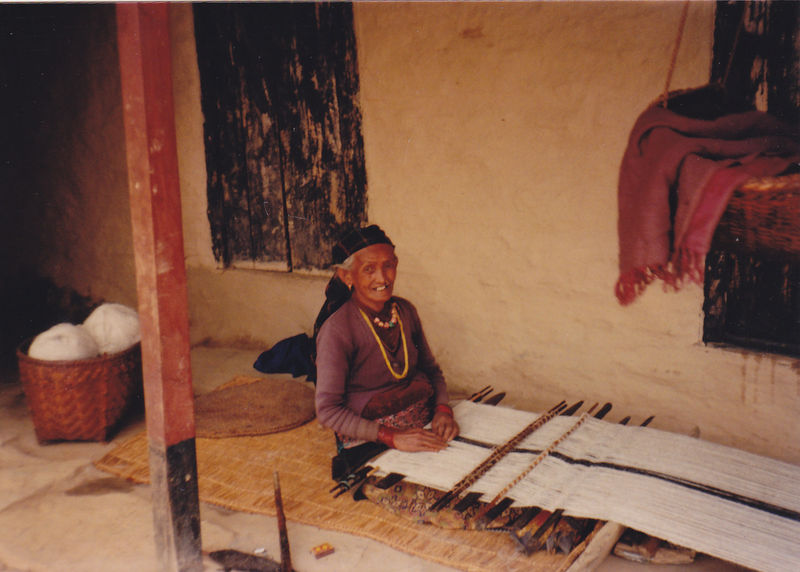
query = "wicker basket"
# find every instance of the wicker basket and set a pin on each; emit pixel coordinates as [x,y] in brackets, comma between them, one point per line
[763,216]
[80,400]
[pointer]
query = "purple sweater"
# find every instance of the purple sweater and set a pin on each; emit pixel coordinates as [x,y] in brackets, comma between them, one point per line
[351,368]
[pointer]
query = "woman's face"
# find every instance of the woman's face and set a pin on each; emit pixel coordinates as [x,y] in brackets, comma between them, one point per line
[372,275]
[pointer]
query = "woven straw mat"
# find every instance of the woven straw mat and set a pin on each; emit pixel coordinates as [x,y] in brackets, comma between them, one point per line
[262,406]
[237,473]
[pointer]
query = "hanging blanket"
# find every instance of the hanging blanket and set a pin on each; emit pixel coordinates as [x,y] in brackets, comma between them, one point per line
[675,181]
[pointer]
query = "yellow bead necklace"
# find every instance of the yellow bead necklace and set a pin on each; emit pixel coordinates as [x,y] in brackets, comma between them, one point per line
[383,350]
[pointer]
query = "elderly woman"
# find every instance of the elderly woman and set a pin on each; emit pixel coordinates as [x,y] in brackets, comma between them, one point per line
[377,379]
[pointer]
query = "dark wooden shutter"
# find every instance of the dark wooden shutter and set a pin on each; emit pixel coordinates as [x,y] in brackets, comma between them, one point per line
[752,299]
[284,150]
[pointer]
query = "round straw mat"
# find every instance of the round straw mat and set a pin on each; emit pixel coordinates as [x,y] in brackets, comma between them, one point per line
[248,406]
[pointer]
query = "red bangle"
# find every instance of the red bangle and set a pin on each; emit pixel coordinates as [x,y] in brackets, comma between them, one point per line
[386,436]
[444,408]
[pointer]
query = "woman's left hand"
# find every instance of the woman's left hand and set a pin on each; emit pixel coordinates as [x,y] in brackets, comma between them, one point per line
[444,425]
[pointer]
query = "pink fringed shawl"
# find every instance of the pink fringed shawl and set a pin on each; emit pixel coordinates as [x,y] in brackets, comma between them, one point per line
[702,162]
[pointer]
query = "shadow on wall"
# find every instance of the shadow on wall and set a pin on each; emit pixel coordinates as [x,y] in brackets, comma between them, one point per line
[30,304]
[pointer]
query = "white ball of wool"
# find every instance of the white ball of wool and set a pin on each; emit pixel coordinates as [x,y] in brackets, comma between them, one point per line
[115,327]
[64,342]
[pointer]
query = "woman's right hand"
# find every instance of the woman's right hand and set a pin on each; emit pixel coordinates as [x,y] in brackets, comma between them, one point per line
[414,440]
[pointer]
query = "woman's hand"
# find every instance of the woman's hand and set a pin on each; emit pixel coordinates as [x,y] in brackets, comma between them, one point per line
[414,440]
[444,425]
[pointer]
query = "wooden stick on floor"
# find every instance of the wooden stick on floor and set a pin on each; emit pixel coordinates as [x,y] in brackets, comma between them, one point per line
[286,557]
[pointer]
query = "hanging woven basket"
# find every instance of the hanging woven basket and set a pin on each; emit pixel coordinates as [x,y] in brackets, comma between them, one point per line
[763,216]
[80,400]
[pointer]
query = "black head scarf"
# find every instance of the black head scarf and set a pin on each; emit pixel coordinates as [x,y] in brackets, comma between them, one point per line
[357,238]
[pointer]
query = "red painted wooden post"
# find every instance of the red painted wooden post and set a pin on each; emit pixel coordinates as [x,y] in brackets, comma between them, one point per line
[146,77]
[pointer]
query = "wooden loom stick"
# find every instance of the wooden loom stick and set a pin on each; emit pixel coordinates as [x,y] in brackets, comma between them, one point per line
[479,392]
[531,543]
[550,448]
[603,411]
[286,556]
[498,453]
[573,409]
[495,399]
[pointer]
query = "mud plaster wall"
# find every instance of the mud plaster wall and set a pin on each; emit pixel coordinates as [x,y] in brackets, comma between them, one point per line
[493,134]
[65,213]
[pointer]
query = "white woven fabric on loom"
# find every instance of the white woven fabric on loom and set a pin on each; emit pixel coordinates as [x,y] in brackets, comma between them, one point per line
[717,500]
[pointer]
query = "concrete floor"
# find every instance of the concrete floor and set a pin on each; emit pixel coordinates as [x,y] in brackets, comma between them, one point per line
[59,513]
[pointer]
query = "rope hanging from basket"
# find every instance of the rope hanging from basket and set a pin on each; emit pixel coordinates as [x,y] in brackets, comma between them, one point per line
[675,49]
[720,84]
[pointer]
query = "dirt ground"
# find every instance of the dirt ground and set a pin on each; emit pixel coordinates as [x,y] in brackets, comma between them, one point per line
[59,513]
